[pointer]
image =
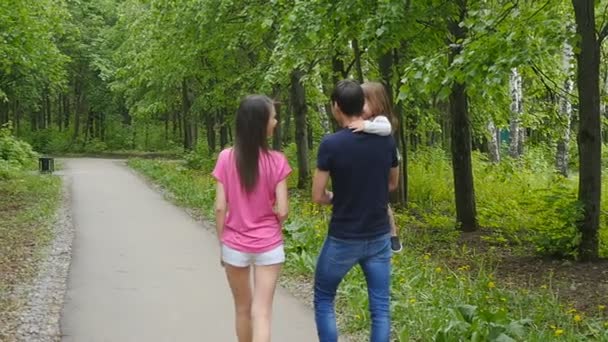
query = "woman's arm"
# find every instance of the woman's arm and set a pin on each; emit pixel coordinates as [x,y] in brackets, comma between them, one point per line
[221,208]
[282,206]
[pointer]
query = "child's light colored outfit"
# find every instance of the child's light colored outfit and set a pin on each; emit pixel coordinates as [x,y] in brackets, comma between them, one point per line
[378,125]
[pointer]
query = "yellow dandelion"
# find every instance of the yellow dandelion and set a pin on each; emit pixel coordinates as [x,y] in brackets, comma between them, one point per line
[559,332]
[601,307]
[577,318]
[491,285]
[438,270]
[427,256]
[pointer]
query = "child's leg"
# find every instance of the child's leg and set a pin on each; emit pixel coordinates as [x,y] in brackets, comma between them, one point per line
[391,219]
[395,243]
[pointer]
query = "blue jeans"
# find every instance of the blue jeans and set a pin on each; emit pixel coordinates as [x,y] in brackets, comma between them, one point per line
[336,259]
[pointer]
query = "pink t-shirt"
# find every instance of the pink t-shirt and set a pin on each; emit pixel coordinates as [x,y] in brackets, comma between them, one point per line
[251,225]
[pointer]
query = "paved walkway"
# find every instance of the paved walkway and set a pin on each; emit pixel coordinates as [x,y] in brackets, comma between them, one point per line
[144,271]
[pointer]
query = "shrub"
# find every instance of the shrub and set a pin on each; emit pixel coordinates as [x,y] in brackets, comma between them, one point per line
[15,155]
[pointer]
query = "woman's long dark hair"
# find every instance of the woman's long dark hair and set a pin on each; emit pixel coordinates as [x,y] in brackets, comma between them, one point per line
[251,137]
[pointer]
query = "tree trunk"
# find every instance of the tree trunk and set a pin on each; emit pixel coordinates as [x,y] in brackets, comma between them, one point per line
[310,134]
[66,111]
[385,64]
[210,127]
[48,107]
[146,136]
[88,127]
[78,107]
[4,113]
[516,145]
[276,137]
[565,111]
[167,119]
[223,129]
[298,100]
[466,212]
[102,126]
[358,67]
[287,131]
[187,116]
[59,114]
[589,138]
[604,106]
[493,142]
[17,117]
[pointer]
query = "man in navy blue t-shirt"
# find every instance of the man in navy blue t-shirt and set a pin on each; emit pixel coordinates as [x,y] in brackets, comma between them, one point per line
[363,169]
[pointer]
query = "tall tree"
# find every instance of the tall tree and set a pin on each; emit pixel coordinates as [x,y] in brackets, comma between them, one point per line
[466,211]
[298,99]
[589,134]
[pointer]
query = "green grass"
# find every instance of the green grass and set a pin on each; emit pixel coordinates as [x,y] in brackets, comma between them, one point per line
[434,297]
[27,207]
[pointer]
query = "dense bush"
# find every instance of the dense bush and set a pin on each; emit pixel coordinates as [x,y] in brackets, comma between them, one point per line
[15,155]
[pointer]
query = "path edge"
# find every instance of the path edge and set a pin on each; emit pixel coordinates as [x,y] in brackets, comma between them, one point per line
[40,319]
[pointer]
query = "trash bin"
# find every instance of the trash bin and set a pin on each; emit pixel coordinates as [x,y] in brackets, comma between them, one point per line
[46,164]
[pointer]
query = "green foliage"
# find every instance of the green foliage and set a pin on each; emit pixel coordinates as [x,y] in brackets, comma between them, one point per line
[472,324]
[15,155]
[430,300]
[520,202]
[200,158]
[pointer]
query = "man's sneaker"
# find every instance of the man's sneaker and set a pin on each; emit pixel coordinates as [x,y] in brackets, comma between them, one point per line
[396,245]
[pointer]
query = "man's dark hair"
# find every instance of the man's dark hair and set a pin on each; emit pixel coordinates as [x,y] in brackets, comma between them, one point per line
[348,94]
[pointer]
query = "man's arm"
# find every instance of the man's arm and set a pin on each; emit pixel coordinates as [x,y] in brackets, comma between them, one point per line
[393,179]
[320,194]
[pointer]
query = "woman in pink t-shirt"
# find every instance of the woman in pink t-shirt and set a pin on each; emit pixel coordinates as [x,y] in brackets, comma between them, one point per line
[251,204]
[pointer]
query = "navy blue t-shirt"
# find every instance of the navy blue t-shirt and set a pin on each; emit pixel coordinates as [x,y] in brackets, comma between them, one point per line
[359,166]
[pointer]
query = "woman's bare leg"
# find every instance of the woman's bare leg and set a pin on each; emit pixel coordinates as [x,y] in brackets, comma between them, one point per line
[265,283]
[238,278]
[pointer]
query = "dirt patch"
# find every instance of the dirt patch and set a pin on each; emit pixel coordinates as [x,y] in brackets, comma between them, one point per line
[579,285]
[583,286]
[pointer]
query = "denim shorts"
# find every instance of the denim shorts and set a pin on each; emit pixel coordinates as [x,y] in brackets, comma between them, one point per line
[236,258]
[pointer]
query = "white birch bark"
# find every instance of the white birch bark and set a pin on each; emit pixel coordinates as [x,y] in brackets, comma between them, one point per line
[565,111]
[516,131]
[493,142]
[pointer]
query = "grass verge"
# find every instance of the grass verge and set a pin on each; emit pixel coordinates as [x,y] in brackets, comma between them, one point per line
[27,207]
[454,294]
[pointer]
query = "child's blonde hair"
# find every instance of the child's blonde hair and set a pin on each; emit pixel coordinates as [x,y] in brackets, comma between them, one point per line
[379,103]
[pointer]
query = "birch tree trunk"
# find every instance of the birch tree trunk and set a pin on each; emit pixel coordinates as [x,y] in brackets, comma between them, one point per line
[517,136]
[565,111]
[493,142]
